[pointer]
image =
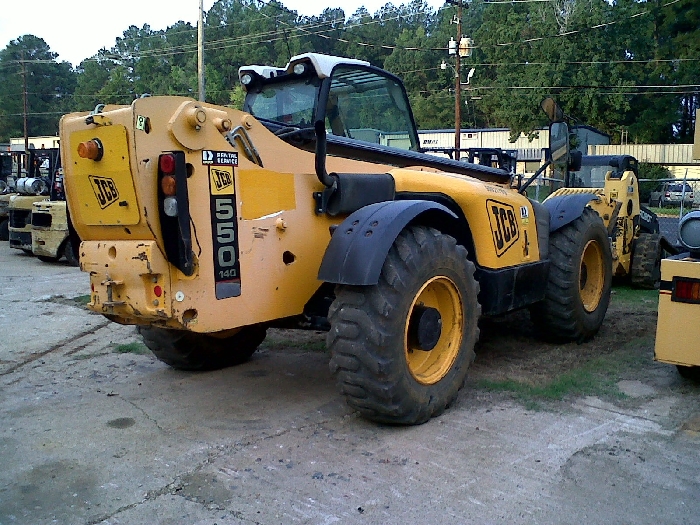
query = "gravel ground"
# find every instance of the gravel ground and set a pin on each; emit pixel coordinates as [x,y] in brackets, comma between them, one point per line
[96,431]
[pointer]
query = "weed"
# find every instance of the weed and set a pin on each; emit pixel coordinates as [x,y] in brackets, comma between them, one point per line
[132,348]
[82,300]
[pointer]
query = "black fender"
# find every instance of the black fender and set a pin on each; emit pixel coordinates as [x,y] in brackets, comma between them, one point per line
[360,244]
[565,209]
[648,220]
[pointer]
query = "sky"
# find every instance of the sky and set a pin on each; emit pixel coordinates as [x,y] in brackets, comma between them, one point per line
[77,29]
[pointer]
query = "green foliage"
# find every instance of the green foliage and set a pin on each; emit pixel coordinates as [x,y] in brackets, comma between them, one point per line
[49,84]
[653,172]
[592,56]
[132,348]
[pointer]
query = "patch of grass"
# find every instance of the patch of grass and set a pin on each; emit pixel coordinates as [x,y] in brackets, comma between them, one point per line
[82,300]
[673,211]
[596,377]
[635,296]
[132,348]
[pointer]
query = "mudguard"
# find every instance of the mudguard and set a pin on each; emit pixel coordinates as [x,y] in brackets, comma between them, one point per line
[360,244]
[648,220]
[565,209]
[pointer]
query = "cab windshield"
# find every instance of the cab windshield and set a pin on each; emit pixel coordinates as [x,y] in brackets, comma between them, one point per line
[363,106]
[290,102]
[369,107]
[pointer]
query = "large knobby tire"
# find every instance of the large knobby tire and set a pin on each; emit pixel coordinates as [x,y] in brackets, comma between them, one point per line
[185,350]
[47,258]
[401,348]
[4,230]
[689,372]
[70,254]
[578,286]
[645,270]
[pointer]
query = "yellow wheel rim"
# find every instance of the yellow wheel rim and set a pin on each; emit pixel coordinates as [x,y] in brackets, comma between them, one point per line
[429,367]
[591,276]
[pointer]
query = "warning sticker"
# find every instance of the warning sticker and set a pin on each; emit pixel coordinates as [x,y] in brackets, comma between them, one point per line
[219,158]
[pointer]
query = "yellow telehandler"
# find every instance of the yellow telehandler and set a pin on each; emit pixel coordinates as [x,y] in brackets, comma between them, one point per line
[314,207]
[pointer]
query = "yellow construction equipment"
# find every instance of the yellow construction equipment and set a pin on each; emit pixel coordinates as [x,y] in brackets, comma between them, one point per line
[315,208]
[677,328]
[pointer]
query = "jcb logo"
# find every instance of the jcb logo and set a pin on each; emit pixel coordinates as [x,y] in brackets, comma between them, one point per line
[221,180]
[105,190]
[504,226]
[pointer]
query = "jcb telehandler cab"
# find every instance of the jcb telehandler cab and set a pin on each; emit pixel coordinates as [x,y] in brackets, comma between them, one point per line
[315,208]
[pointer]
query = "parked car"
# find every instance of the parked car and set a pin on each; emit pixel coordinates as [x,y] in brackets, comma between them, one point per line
[670,194]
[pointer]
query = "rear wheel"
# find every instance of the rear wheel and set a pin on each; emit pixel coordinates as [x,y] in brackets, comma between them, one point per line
[689,372]
[578,286]
[192,351]
[401,348]
[70,253]
[645,270]
[4,230]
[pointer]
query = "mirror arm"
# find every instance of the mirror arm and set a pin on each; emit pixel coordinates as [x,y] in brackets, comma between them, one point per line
[534,176]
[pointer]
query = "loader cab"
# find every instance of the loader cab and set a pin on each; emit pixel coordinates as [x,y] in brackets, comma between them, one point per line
[355,100]
[596,169]
[346,108]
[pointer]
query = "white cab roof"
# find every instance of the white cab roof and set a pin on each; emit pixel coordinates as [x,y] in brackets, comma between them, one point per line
[323,64]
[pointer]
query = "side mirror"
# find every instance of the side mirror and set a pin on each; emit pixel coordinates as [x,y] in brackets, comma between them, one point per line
[552,110]
[559,143]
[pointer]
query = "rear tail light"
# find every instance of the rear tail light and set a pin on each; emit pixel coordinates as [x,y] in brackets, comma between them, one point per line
[173,204]
[168,185]
[170,206]
[167,164]
[668,194]
[686,290]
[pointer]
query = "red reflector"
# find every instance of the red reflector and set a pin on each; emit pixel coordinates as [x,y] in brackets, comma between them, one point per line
[687,290]
[167,163]
[157,291]
[92,287]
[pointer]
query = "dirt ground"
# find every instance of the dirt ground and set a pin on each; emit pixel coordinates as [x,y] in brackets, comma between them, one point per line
[96,431]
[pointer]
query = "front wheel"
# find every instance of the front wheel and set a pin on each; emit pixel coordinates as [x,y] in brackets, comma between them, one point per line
[401,348]
[4,230]
[185,350]
[578,286]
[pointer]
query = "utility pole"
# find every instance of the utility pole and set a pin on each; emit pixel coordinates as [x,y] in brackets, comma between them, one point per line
[200,51]
[461,47]
[24,96]
[458,84]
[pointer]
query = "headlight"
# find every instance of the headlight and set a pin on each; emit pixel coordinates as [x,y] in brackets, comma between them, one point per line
[689,231]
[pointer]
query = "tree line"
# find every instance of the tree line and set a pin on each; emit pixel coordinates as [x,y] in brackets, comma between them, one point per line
[630,68]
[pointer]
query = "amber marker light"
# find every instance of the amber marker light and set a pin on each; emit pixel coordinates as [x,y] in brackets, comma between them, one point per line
[168,185]
[91,149]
